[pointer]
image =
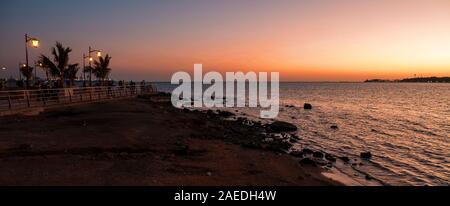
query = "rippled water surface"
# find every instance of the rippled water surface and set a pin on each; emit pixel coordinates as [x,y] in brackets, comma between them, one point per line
[406,126]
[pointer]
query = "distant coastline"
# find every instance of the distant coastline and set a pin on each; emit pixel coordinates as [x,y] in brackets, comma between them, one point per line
[418,79]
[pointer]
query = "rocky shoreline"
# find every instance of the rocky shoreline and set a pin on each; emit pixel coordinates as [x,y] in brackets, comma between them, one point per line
[146,141]
[279,137]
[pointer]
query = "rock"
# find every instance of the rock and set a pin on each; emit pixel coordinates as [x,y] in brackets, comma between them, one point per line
[366,155]
[280,146]
[321,162]
[334,127]
[307,106]
[318,155]
[280,126]
[268,140]
[293,140]
[297,153]
[368,177]
[329,165]
[307,151]
[345,159]
[307,161]
[330,158]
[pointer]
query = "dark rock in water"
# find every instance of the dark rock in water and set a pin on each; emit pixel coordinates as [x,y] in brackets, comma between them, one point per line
[307,151]
[279,126]
[366,155]
[318,155]
[307,161]
[297,153]
[330,158]
[334,127]
[307,106]
[345,159]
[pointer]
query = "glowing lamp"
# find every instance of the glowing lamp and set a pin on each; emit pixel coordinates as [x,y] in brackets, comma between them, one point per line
[91,59]
[35,43]
[99,54]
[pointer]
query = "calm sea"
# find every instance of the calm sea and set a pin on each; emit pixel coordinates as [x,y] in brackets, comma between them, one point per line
[406,126]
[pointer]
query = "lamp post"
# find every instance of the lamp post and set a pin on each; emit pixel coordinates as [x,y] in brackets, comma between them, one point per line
[91,59]
[34,44]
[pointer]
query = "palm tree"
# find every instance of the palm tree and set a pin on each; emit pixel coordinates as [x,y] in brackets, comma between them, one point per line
[71,73]
[101,68]
[27,72]
[60,63]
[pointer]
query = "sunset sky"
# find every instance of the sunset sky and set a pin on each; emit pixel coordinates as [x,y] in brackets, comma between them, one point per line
[311,40]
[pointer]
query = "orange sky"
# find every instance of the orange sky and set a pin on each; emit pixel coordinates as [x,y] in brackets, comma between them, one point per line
[339,40]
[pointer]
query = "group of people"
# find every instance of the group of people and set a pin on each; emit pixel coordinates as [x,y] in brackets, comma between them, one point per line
[46,84]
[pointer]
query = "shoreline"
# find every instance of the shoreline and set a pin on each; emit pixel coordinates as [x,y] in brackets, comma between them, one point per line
[146,141]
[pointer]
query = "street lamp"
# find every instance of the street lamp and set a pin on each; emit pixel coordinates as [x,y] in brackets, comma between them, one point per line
[34,43]
[91,59]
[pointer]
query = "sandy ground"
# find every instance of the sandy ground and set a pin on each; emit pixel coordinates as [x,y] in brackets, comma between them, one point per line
[139,142]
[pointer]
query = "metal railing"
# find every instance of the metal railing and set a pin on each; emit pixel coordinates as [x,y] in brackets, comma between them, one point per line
[22,99]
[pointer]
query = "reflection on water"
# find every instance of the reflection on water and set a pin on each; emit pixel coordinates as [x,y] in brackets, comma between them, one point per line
[405,125]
